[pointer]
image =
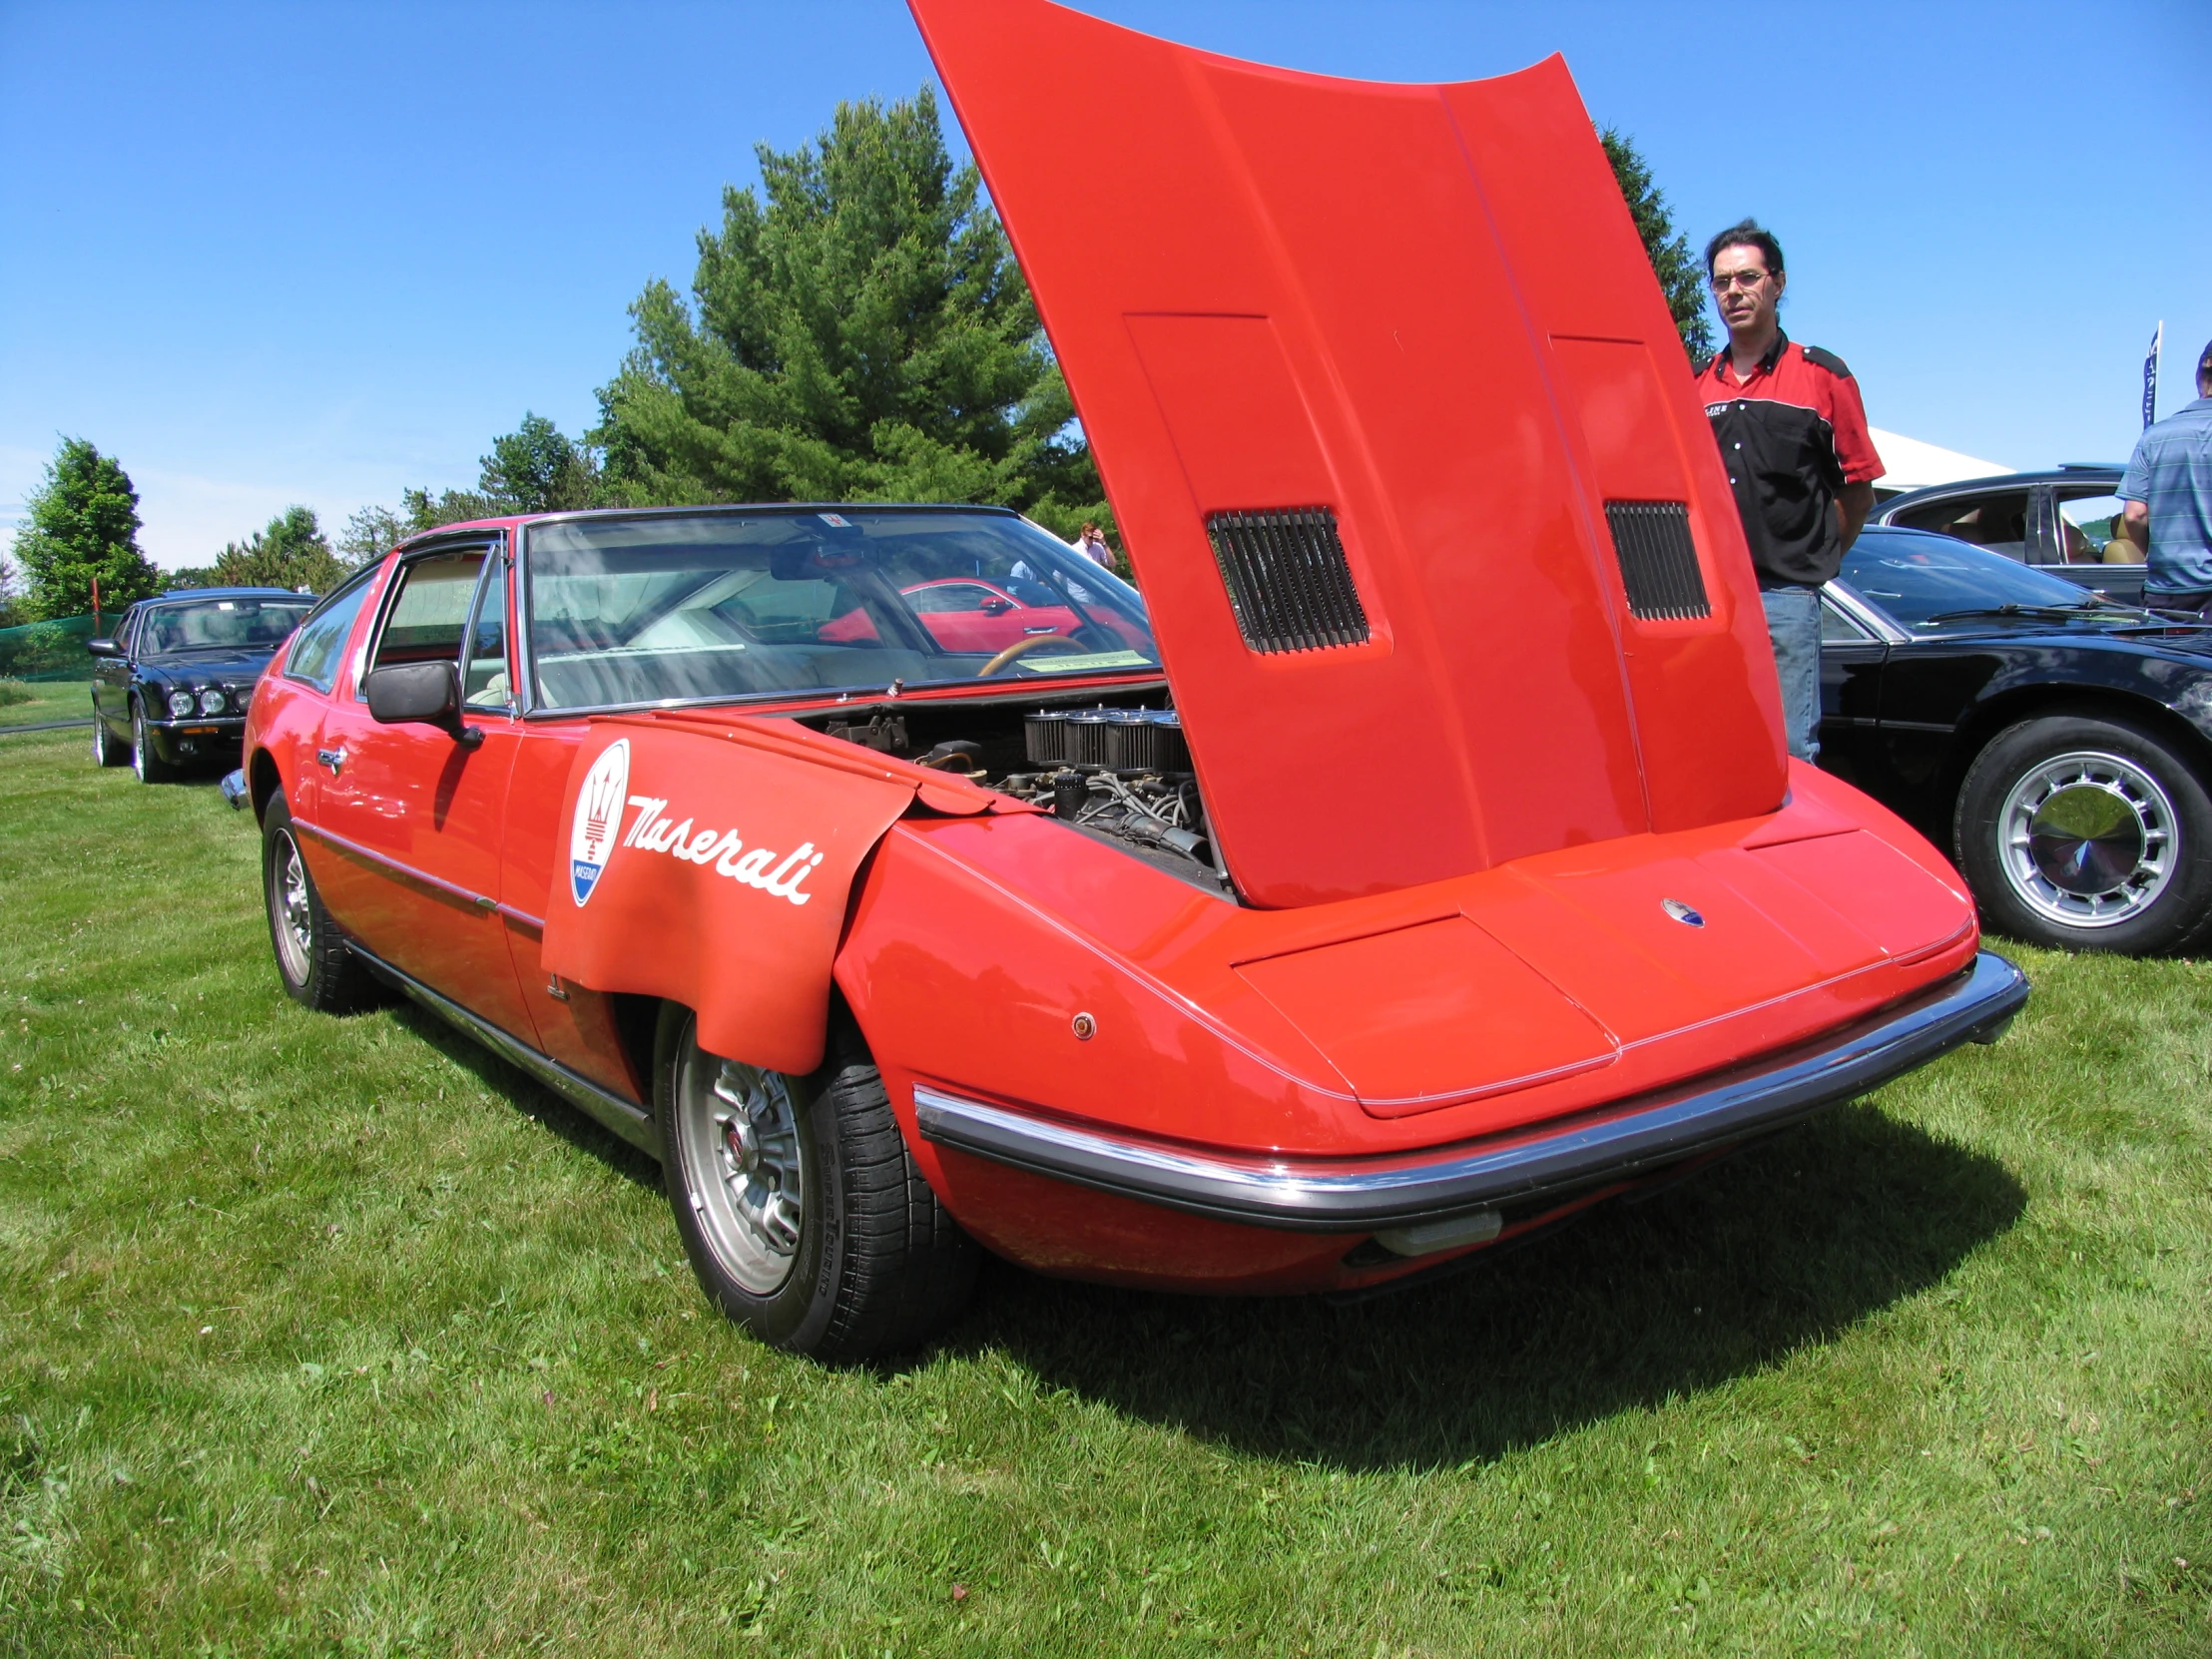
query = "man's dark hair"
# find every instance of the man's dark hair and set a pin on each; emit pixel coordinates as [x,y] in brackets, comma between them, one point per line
[2204,366]
[1746,233]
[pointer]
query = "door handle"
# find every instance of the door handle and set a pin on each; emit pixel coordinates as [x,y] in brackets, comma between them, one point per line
[331,757]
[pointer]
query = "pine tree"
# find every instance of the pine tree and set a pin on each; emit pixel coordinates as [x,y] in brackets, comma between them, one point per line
[1681,276]
[865,334]
[83,527]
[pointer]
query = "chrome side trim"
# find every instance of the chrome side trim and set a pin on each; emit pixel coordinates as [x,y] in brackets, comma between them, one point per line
[1359,1195]
[466,898]
[633,1123]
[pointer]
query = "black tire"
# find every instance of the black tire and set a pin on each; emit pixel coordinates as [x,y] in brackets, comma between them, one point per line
[312,960]
[106,752]
[2085,834]
[146,755]
[872,1264]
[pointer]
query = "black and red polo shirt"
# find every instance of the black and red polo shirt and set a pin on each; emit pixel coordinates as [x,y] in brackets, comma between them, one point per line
[1791,436]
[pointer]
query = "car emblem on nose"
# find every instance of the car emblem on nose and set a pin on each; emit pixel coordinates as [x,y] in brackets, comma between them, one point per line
[1681,912]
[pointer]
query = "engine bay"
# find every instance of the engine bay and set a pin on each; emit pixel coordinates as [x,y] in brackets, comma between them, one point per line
[1118,769]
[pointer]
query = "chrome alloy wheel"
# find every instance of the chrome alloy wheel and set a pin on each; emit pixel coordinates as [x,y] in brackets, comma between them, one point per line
[142,758]
[742,1149]
[291,908]
[2089,840]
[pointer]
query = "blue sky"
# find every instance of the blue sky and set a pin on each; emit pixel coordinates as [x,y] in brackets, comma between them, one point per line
[315,253]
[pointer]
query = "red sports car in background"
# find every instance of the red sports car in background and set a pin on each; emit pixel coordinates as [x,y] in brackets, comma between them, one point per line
[1417,863]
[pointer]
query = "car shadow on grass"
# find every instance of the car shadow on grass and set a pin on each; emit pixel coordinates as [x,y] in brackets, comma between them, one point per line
[1786,1245]
[527,1095]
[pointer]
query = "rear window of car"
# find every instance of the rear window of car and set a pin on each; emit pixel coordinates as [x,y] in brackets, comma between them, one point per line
[705,607]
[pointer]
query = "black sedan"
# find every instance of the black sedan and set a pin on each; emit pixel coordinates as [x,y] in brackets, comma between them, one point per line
[170,688]
[2058,745]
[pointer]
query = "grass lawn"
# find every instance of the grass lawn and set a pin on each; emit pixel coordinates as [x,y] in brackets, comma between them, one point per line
[50,700]
[329,1335]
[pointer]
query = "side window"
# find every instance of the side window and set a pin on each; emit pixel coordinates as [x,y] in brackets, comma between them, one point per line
[2092,530]
[126,631]
[320,645]
[1998,522]
[485,683]
[1839,629]
[429,613]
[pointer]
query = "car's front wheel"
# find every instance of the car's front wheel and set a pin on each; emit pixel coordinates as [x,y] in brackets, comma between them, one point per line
[312,957]
[804,1217]
[2087,835]
[145,759]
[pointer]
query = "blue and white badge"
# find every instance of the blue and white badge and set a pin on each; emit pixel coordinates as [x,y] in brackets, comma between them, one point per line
[599,804]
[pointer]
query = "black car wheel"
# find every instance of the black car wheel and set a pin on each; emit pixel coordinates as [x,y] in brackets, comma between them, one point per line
[145,761]
[805,1217]
[106,752]
[311,958]
[2087,834]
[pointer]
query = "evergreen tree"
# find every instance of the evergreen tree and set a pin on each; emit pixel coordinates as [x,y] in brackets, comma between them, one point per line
[292,552]
[1681,275]
[83,527]
[865,334]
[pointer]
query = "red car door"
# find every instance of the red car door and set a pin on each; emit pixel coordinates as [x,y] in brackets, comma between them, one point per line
[410,816]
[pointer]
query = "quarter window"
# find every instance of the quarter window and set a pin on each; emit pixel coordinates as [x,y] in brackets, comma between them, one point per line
[486,684]
[320,645]
[2092,530]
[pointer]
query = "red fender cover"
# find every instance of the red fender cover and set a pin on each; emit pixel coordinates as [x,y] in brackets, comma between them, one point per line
[708,861]
[1425,310]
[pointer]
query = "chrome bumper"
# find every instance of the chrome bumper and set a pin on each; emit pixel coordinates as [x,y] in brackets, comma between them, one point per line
[1629,1138]
[235,792]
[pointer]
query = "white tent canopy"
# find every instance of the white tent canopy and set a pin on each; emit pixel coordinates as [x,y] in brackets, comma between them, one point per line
[1916,466]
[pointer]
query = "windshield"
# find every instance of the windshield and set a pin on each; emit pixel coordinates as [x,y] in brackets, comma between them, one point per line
[222,625]
[716,605]
[1915,576]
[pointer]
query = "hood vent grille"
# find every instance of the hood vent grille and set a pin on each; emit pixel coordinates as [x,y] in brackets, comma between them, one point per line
[1287,578]
[1658,560]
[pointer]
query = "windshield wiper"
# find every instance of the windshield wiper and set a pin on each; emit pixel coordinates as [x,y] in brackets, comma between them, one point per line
[2065,613]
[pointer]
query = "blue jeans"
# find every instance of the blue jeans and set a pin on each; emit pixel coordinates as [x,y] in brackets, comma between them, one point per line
[1794,627]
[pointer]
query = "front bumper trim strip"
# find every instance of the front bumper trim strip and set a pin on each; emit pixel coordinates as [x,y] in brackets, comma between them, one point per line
[1625,1139]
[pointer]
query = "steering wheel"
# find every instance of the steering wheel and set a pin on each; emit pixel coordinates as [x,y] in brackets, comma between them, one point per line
[1022,648]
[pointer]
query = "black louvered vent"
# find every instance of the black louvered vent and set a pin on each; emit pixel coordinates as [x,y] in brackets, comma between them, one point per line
[1658,559]
[1287,578]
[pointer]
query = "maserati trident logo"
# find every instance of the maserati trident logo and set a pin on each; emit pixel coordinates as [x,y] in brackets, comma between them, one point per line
[598,807]
[1681,912]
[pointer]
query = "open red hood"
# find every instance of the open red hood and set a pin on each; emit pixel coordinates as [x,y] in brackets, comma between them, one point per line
[1442,559]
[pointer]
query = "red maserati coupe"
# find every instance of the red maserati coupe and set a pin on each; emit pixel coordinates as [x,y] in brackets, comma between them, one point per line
[1414,864]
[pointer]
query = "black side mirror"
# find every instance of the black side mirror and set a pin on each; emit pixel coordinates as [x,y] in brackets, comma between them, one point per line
[103,648]
[418,693]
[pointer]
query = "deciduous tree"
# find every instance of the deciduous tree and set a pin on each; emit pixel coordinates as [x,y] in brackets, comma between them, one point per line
[1681,275]
[81,527]
[861,333]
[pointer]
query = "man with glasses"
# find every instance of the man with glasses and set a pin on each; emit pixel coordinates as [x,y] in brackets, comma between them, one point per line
[1792,435]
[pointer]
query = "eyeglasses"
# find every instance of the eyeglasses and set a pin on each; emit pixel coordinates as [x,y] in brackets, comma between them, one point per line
[1723,281]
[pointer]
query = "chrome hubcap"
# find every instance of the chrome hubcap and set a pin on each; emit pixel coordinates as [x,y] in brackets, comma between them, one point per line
[290,911]
[2089,840]
[746,1169]
[138,744]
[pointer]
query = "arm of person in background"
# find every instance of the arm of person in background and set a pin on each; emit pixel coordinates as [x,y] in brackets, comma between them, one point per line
[2136,517]
[1855,454]
[1853,503]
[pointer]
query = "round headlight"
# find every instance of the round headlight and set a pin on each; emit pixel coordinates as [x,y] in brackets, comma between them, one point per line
[210,702]
[179,702]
